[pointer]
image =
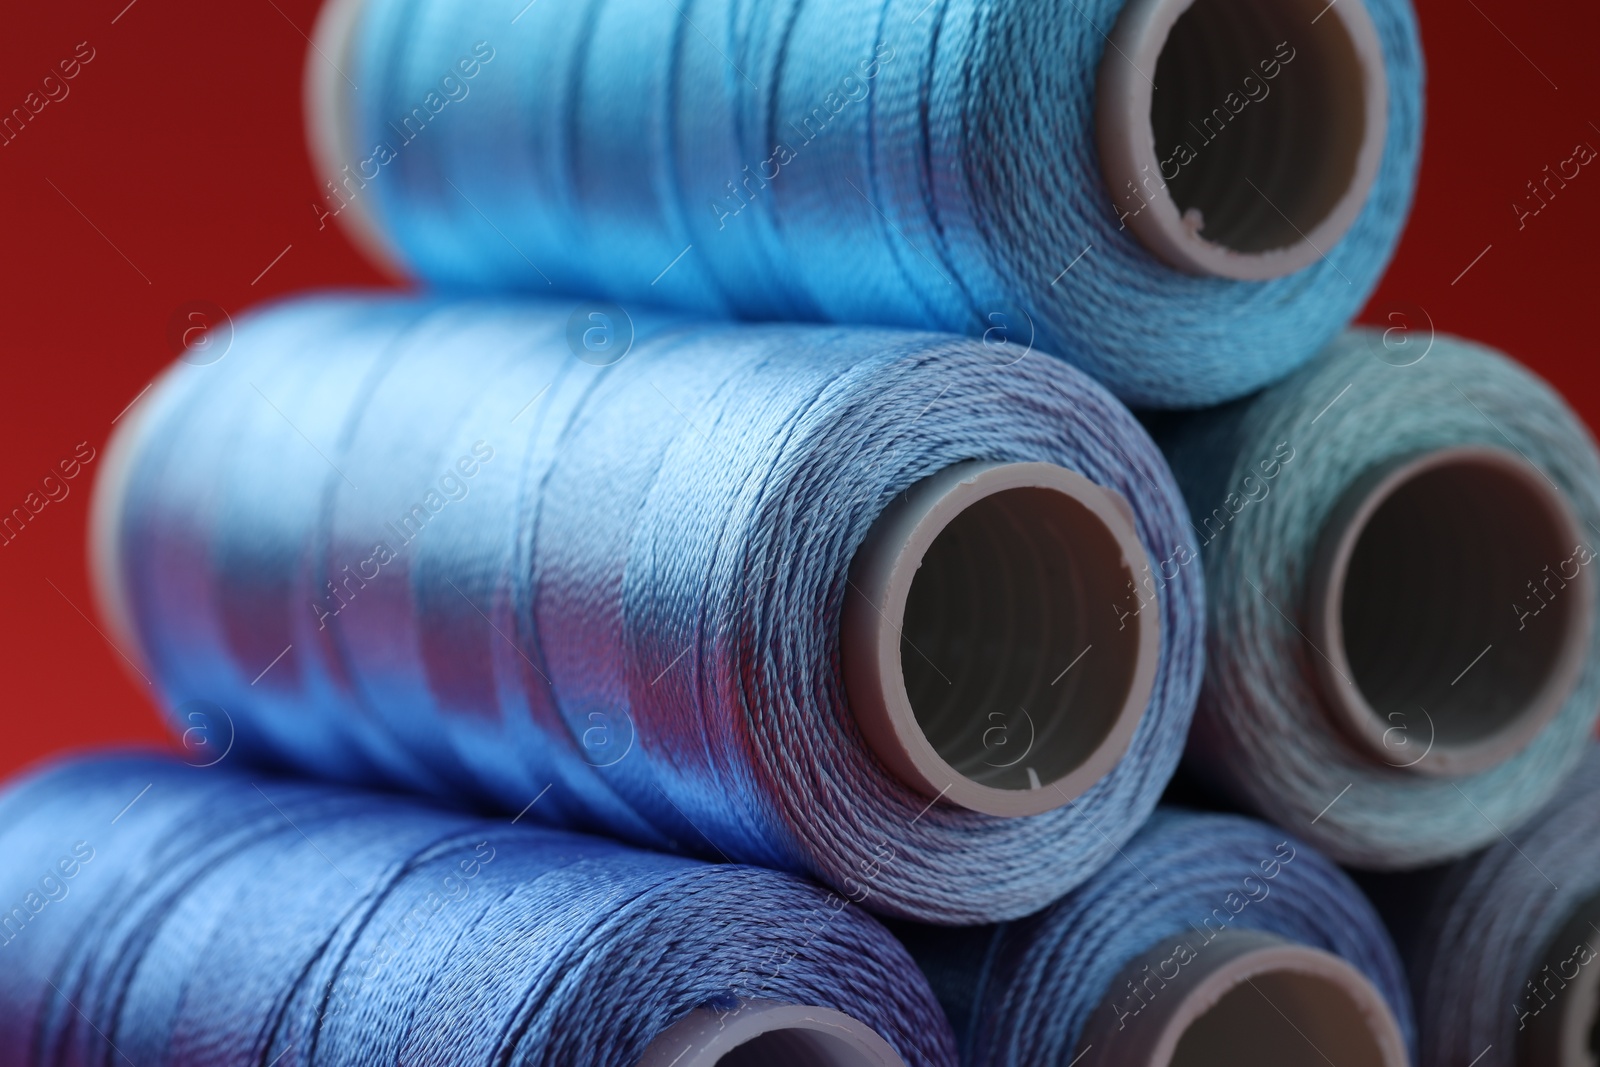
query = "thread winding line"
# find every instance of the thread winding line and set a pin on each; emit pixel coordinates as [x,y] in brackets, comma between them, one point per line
[1474,934]
[1022,993]
[1263,477]
[628,616]
[905,163]
[197,916]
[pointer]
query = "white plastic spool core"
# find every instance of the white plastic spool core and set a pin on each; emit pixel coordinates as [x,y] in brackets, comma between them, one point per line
[1562,1028]
[330,130]
[1418,592]
[995,651]
[1243,997]
[765,1034]
[1240,138]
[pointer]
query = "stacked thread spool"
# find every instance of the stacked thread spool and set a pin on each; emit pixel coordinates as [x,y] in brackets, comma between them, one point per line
[808,693]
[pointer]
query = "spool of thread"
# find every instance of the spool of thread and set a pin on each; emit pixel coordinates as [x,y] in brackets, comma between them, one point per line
[834,601]
[965,166]
[1403,659]
[1211,933]
[160,914]
[1503,949]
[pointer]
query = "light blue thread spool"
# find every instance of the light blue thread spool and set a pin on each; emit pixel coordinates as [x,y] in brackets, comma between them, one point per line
[635,596]
[949,165]
[1501,946]
[1397,623]
[1209,934]
[192,915]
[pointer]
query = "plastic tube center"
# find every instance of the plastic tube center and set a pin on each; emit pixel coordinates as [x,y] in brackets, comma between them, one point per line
[1281,1019]
[1240,137]
[1008,597]
[770,1034]
[1248,88]
[1242,996]
[1461,605]
[998,648]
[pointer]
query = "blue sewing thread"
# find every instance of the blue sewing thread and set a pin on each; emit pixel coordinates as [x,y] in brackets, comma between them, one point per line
[160,914]
[897,163]
[1023,992]
[1500,947]
[1263,478]
[611,593]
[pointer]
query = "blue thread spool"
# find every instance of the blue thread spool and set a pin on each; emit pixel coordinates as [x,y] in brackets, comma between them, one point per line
[941,531]
[1211,934]
[1500,947]
[1398,619]
[955,165]
[198,914]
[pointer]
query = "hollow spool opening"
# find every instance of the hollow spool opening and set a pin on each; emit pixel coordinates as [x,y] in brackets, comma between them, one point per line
[1000,636]
[1454,601]
[1007,597]
[1280,1019]
[767,1034]
[794,1048]
[1240,138]
[1242,997]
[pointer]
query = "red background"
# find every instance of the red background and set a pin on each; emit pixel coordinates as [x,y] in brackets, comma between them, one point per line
[175,171]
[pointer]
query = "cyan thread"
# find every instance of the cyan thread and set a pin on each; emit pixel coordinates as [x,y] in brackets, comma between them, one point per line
[1261,732]
[630,619]
[223,919]
[940,171]
[1474,933]
[1021,993]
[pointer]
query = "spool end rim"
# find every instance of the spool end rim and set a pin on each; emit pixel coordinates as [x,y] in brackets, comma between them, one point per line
[1234,958]
[1357,719]
[874,612]
[1125,135]
[832,1039]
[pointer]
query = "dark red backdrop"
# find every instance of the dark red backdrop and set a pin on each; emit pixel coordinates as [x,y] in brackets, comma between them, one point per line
[173,170]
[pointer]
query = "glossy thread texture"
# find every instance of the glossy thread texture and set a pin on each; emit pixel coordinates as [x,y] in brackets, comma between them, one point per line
[171,915]
[627,615]
[897,162]
[1021,993]
[1261,732]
